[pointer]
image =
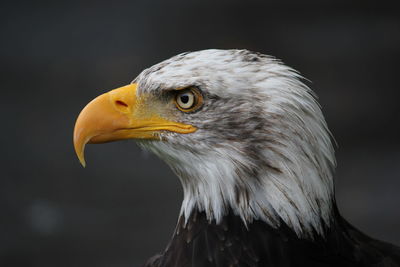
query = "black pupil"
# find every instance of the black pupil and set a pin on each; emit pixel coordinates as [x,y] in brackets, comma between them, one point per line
[185,98]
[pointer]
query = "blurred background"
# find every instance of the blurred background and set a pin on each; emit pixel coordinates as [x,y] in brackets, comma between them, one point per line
[122,208]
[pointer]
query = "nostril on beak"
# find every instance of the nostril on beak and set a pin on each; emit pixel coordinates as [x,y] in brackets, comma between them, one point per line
[121,106]
[121,103]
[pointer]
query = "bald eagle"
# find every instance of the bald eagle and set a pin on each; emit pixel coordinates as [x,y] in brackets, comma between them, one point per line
[254,155]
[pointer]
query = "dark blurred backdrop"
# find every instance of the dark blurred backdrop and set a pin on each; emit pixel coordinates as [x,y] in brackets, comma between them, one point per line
[122,208]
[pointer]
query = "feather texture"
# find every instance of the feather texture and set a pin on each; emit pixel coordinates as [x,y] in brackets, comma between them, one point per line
[257,175]
[262,146]
[199,243]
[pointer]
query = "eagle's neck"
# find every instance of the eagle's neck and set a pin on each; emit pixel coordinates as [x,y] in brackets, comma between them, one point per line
[290,188]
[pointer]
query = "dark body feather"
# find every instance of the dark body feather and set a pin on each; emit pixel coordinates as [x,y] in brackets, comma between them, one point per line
[230,243]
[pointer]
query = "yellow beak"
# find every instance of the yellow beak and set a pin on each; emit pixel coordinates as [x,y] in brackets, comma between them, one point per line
[120,114]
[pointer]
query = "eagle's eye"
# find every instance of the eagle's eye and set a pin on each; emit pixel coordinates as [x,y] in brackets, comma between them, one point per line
[188,99]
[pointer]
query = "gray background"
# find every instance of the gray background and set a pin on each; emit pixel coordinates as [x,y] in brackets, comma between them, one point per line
[120,210]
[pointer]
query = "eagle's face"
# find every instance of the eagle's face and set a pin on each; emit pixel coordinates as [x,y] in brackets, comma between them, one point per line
[238,128]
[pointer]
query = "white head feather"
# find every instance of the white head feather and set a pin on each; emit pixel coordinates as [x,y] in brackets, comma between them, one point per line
[262,148]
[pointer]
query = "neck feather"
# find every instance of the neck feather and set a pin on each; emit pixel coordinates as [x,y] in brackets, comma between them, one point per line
[293,189]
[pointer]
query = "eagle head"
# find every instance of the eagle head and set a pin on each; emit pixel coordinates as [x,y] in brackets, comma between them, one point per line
[239,129]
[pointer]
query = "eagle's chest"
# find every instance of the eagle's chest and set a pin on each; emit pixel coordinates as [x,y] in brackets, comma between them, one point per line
[230,243]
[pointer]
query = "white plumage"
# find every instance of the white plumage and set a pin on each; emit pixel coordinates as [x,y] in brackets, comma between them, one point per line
[294,139]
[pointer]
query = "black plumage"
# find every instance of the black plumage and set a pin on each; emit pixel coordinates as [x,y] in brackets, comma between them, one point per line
[200,243]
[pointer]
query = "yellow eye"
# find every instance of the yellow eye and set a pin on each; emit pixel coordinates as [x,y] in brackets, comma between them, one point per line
[188,99]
